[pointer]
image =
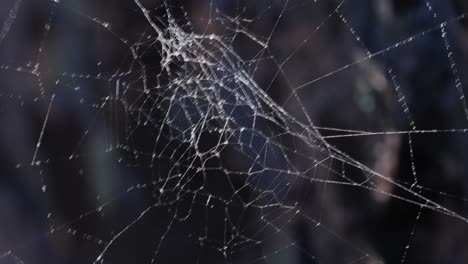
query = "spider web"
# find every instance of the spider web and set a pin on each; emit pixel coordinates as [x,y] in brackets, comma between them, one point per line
[227,132]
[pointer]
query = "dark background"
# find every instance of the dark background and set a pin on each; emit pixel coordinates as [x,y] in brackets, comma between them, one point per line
[115,165]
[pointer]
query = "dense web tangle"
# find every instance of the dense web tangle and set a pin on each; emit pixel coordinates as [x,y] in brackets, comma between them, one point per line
[233,132]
